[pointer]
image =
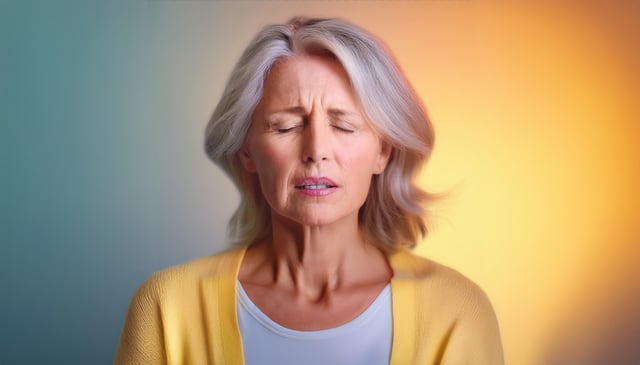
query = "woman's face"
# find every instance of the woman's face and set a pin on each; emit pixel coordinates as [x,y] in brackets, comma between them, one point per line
[310,145]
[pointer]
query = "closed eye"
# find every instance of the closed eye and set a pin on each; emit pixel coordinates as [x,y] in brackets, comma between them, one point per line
[282,127]
[285,129]
[343,129]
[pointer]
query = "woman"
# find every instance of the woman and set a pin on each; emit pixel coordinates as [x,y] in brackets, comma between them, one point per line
[322,134]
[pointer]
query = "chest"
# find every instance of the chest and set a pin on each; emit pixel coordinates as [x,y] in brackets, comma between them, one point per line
[366,339]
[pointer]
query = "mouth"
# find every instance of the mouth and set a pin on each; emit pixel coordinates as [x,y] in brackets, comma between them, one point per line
[315,184]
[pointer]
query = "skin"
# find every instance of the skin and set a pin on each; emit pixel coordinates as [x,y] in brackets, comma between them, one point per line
[316,271]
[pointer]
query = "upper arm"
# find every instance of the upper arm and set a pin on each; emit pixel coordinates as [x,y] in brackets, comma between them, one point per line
[475,338]
[142,340]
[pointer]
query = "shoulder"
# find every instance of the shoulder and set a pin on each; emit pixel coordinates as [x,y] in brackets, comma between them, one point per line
[188,276]
[449,310]
[440,285]
[173,303]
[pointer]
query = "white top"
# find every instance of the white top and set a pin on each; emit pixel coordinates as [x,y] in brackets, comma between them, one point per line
[365,340]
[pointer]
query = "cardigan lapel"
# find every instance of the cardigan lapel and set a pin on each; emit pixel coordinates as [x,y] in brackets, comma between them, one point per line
[403,294]
[219,299]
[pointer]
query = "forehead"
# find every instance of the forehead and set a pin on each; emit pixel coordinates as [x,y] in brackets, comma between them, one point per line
[305,76]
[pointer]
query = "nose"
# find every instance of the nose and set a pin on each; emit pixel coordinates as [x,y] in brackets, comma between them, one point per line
[316,142]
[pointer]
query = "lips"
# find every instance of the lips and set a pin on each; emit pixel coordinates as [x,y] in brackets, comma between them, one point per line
[313,187]
[316,185]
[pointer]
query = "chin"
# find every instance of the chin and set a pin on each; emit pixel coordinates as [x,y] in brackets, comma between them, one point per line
[312,221]
[326,219]
[314,218]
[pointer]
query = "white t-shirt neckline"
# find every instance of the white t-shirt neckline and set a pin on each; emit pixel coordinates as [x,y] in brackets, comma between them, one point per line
[382,302]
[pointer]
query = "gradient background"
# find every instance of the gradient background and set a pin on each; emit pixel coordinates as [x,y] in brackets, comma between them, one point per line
[104,179]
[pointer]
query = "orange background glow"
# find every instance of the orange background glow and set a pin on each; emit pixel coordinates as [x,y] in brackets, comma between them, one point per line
[538,134]
[538,149]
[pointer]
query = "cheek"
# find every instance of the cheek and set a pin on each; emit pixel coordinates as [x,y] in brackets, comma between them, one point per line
[365,158]
[272,166]
[360,169]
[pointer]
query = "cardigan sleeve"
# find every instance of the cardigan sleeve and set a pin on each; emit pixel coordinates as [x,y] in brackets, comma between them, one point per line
[142,340]
[475,338]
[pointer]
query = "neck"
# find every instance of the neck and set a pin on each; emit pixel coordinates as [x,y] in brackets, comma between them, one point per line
[316,261]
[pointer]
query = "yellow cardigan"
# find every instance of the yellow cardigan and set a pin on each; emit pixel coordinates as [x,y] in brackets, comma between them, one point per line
[187,315]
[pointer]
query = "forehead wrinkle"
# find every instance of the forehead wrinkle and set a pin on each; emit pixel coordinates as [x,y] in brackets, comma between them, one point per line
[290,85]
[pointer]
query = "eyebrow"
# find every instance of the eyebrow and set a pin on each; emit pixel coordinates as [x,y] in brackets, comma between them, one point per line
[293,110]
[302,111]
[341,113]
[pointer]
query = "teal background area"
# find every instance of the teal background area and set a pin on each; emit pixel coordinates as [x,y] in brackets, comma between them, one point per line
[104,178]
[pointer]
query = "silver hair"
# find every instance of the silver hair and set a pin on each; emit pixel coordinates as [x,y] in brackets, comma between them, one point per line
[393,215]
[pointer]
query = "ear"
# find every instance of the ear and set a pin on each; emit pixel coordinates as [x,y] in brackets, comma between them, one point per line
[383,157]
[245,159]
